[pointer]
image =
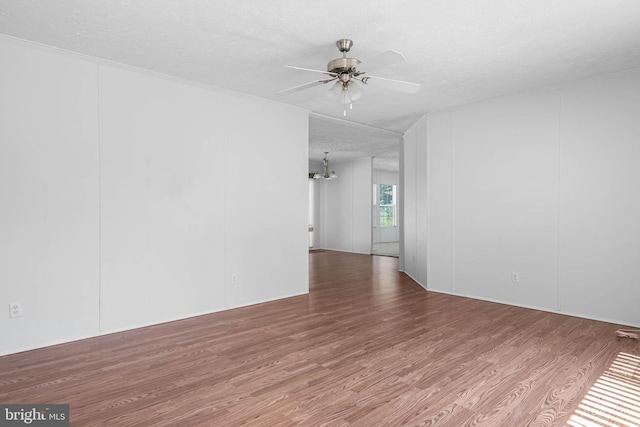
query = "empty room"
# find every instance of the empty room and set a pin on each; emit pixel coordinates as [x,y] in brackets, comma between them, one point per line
[419,213]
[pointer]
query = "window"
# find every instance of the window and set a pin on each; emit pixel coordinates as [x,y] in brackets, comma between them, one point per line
[387,205]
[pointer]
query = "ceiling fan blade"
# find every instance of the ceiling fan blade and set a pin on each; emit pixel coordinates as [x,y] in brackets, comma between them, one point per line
[309,69]
[301,87]
[398,85]
[384,59]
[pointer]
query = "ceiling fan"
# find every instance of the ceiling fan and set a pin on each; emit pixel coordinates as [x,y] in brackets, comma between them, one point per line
[348,80]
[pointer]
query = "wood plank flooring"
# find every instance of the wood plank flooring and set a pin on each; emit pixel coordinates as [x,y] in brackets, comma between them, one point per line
[366,347]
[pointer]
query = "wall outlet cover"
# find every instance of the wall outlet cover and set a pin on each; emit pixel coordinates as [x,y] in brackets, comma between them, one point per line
[15,309]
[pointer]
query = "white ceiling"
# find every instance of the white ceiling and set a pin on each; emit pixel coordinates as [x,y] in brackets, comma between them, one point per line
[460,51]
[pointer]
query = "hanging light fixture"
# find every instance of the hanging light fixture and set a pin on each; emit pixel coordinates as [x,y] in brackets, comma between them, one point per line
[326,174]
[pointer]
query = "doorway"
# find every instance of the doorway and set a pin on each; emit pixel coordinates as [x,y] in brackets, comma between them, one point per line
[385,233]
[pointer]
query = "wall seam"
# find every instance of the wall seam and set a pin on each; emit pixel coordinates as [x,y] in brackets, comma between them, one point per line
[100,325]
[560,96]
[452,144]
[401,213]
[428,203]
[416,222]
[353,190]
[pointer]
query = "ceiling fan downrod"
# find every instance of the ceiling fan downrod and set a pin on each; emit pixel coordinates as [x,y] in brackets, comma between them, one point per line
[343,65]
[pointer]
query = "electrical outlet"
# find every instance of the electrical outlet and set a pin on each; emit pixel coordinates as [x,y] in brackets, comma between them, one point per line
[234,278]
[515,277]
[15,309]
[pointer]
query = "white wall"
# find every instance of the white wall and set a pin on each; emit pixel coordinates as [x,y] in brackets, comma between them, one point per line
[544,184]
[317,204]
[386,234]
[413,245]
[130,199]
[49,197]
[346,207]
[600,199]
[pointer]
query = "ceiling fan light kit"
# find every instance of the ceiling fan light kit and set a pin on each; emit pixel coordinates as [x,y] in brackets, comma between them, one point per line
[349,80]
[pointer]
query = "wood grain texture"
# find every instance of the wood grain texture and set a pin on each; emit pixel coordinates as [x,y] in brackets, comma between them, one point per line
[366,347]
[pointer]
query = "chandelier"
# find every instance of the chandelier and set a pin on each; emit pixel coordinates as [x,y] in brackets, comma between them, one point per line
[326,174]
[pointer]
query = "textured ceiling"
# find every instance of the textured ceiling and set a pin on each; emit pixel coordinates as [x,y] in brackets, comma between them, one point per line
[460,51]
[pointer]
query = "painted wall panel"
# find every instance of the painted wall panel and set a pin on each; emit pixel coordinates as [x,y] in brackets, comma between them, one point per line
[542,184]
[266,237]
[135,197]
[317,205]
[362,201]
[421,205]
[48,197]
[439,200]
[600,199]
[410,195]
[162,189]
[506,200]
[346,207]
[337,209]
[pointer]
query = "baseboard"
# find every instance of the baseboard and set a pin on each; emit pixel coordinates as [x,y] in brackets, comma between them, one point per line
[616,322]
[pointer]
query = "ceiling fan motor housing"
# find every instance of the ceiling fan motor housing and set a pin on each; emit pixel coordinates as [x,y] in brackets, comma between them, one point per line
[342,65]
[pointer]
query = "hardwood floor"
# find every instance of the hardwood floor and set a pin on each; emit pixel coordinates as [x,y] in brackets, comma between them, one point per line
[366,347]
